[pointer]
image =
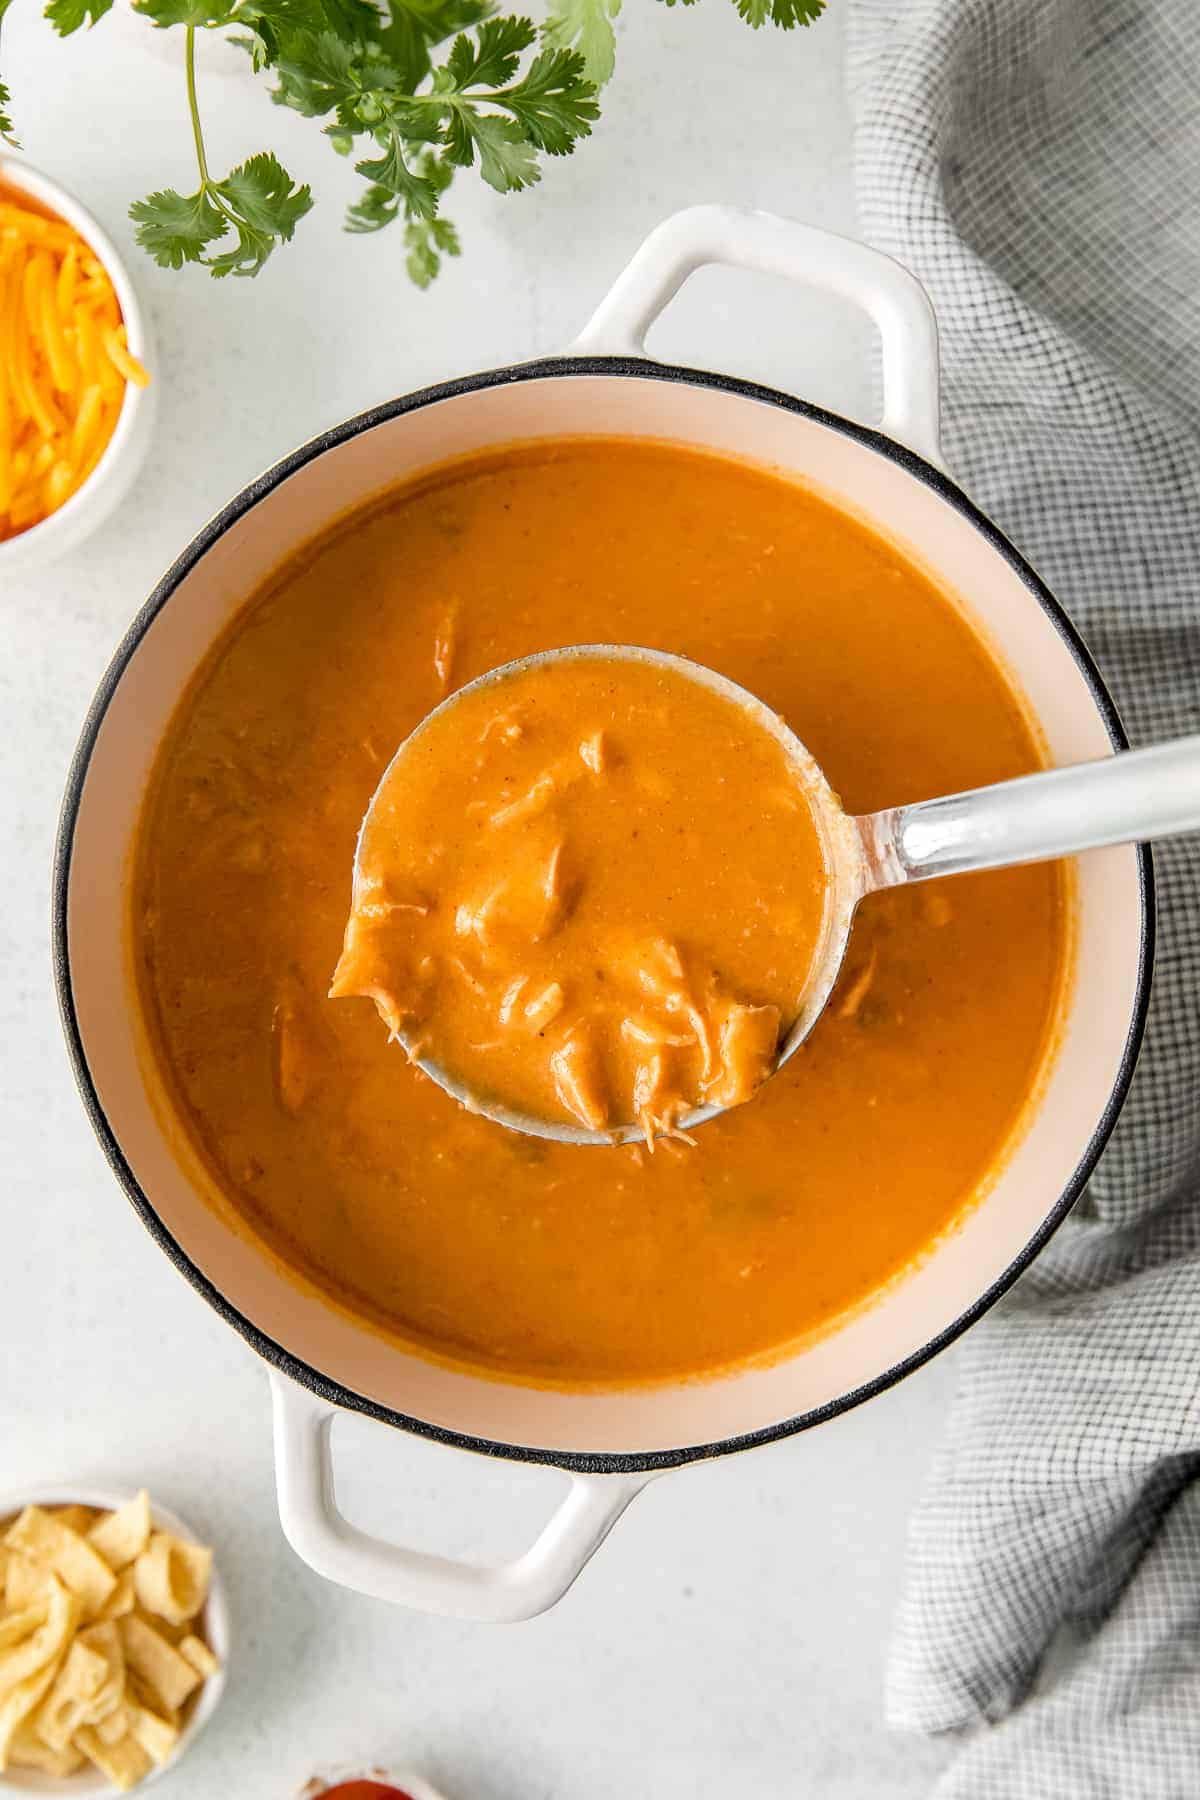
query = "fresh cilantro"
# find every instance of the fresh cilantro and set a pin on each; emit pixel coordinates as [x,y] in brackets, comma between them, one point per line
[784,13]
[490,58]
[269,24]
[67,16]
[586,26]
[506,162]
[551,107]
[427,242]
[264,206]
[555,104]
[195,14]
[389,174]
[176,229]
[375,208]
[258,201]
[412,90]
[315,73]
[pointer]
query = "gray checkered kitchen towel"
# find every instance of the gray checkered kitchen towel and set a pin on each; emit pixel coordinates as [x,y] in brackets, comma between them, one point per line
[1037,164]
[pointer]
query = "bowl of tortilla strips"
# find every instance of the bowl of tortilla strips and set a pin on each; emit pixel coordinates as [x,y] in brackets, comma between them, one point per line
[114,1634]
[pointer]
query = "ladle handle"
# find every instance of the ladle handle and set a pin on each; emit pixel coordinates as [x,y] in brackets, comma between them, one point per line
[1131,797]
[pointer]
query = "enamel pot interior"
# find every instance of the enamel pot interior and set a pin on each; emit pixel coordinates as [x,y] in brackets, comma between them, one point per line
[904,499]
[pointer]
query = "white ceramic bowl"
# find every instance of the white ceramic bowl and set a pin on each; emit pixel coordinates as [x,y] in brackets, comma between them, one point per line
[89,1784]
[117,469]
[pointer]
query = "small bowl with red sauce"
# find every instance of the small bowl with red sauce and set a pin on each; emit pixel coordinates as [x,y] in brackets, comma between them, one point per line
[374,1784]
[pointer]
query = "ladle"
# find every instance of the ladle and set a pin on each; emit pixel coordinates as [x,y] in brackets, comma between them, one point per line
[1132,796]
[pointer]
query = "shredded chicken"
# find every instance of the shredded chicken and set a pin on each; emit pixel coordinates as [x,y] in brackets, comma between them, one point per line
[445,643]
[859,988]
[543,1011]
[554,887]
[594,752]
[747,1044]
[649,1035]
[657,1104]
[527,805]
[460,968]
[504,726]
[526,906]
[578,1080]
[510,997]
[383,909]
[298,1054]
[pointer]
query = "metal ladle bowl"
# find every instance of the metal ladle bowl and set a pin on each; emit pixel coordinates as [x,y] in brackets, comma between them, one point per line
[1132,796]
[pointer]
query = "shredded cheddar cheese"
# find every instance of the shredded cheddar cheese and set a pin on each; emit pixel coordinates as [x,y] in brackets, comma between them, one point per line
[64,365]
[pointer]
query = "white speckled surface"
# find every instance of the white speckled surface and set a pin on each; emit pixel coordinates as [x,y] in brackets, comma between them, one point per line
[729,1639]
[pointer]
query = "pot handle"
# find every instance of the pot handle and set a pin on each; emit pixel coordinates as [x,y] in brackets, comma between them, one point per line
[332,1547]
[892,297]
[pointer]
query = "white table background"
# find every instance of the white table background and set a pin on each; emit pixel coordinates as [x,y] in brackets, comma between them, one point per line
[729,1640]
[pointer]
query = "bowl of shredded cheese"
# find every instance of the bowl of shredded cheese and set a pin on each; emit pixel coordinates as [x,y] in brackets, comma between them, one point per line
[76,397]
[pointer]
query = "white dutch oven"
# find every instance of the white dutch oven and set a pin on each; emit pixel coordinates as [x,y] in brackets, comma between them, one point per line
[611,1443]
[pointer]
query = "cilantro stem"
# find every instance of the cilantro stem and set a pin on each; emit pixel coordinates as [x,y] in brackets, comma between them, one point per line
[193,106]
[207,186]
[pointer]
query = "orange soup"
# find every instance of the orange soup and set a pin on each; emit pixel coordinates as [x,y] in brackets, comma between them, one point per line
[591,891]
[568,1264]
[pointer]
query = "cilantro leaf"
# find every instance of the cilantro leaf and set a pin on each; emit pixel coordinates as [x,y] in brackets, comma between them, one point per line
[415,27]
[67,16]
[491,58]
[165,13]
[380,206]
[586,26]
[554,104]
[391,173]
[257,199]
[375,208]
[549,108]
[247,256]
[427,241]
[277,21]
[507,161]
[263,195]
[315,73]
[264,207]
[174,228]
[784,13]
